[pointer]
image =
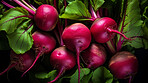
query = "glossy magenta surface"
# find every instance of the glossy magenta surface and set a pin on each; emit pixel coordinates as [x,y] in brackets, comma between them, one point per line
[46,17]
[123,64]
[62,58]
[76,36]
[24,61]
[99,29]
[94,56]
[43,41]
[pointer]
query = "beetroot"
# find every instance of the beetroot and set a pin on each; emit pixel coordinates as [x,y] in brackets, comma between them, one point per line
[21,62]
[123,65]
[62,60]
[94,56]
[46,17]
[77,37]
[43,43]
[104,29]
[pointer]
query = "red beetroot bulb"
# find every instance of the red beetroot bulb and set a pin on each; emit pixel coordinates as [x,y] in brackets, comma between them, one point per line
[104,29]
[43,43]
[94,56]
[46,17]
[77,37]
[123,65]
[62,60]
[21,62]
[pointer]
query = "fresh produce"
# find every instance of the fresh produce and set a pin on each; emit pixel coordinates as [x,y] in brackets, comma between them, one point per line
[43,44]
[62,60]
[124,65]
[61,33]
[46,17]
[77,37]
[94,56]
[104,29]
[21,62]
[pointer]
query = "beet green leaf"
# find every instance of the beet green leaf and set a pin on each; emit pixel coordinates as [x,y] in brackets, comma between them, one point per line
[102,75]
[43,75]
[76,10]
[74,77]
[12,18]
[96,4]
[131,24]
[21,40]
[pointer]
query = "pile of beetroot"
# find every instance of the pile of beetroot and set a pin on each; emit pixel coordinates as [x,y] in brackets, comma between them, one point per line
[73,45]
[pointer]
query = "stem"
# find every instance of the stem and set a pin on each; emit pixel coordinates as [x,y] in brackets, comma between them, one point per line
[57,36]
[37,57]
[119,44]
[78,63]
[93,14]
[64,8]
[8,5]
[115,31]
[122,26]
[130,79]
[24,6]
[31,17]
[60,28]
[55,4]
[111,46]
[28,5]
[9,67]
[105,12]
[98,14]
[59,74]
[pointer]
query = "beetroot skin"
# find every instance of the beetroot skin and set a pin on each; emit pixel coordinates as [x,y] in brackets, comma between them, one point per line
[76,36]
[123,65]
[94,56]
[62,59]
[46,17]
[43,41]
[21,62]
[99,29]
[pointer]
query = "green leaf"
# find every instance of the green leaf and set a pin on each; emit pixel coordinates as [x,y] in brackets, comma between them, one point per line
[87,78]
[109,3]
[76,10]
[102,75]
[69,1]
[74,77]
[21,40]
[145,28]
[41,2]
[143,4]
[96,4]
[8,23]
[2,10]
[145,41]
[43,75]
[145,14]
[145,32]
[131,24]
